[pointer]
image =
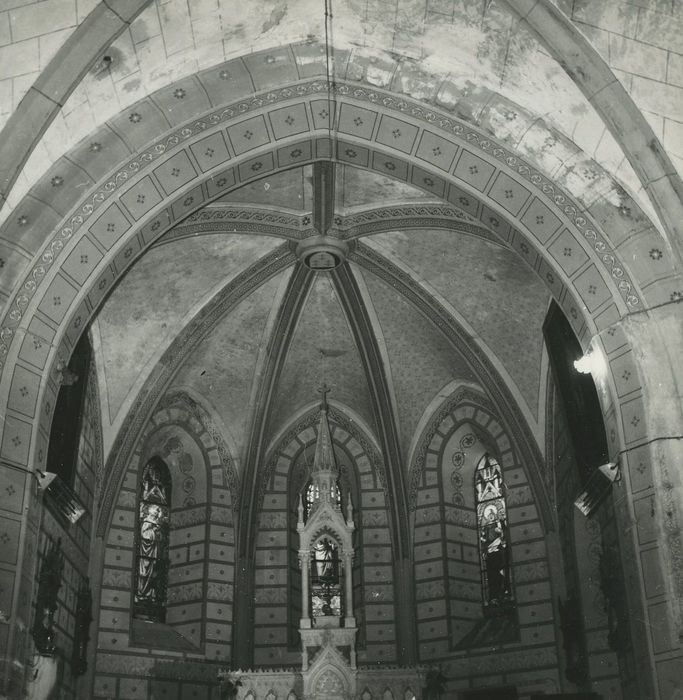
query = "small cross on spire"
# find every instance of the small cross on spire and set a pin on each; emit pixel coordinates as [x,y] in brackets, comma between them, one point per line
[324,390]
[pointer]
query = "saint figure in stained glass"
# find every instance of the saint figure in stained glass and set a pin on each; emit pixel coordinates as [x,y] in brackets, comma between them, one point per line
[493,537]
[326,584]
[151,575]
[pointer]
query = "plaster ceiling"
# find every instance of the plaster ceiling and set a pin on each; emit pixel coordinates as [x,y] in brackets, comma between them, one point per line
[322,350]
[157,297]
[420,360]
[223,368]
[492,293]
[488,286]
[472,56]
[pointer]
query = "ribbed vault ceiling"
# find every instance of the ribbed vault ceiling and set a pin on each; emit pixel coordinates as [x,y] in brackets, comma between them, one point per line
[358,332]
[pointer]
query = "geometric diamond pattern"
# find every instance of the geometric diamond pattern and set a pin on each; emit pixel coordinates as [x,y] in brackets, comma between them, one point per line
[82,260]
[473,170]
[24,391]
[592,288]
[436,150]
[512,196]
[396,133]
[142,197]
[248,135]
[625,374]
[110,226]
[568,253]
[289,121]
[174,173]
[540,220]
[211,151]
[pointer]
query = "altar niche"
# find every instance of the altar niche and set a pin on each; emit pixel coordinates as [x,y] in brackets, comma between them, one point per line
[326,557]
[326,561]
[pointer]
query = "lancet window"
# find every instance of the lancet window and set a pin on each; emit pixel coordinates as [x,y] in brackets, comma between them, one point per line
[153,527]
[494,544]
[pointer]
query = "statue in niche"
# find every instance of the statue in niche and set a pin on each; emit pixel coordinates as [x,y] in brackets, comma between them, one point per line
[326,560]
[494,552]
[326,587]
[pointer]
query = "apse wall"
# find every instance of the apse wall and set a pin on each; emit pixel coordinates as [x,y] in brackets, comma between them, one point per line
[277,582]
[474,650]
[138,658]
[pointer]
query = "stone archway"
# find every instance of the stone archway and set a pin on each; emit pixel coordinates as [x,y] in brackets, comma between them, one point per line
[168,181]
[164,183]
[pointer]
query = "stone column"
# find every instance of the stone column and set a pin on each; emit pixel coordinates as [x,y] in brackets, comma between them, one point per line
[643,354]
[348,582]
[243,616]
[406,628]
[305,563]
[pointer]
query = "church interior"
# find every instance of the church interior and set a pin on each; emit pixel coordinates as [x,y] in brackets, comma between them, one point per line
[340,349]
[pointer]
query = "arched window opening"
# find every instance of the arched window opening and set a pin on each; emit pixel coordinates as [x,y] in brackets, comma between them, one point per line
[151,561]
[326,588]
[494,545]
[66,429]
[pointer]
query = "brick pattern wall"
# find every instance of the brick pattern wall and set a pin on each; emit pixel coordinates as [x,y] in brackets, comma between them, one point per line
[447,561]
[75,538]
[271,642]
[201,573]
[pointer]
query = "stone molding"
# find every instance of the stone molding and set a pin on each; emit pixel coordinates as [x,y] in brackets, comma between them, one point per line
[564,205]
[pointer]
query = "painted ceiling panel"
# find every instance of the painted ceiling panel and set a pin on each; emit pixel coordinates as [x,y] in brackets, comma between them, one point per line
[322,326]
[150,305]
[356,187]
[222,368]
[290,190]
[490,286]
[421,360]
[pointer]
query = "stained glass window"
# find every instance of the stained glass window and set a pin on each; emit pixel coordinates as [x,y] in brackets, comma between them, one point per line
[325,579]
[313,496]
[494,545]
[151,562]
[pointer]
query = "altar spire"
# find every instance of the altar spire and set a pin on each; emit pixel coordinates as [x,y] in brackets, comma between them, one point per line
[324,461]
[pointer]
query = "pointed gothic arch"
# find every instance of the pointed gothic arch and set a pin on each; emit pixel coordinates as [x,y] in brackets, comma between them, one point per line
[627,413]
[594,295]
